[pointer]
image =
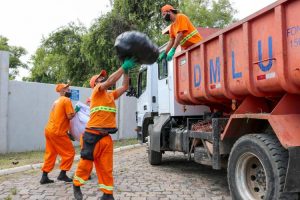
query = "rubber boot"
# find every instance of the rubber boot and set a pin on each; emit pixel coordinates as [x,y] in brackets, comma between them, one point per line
[77,192]
[107,197]
[63,177]
[45,179]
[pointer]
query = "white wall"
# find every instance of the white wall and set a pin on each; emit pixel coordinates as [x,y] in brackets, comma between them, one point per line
[25,107]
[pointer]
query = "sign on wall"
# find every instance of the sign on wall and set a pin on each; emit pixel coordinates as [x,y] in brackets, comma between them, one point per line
[74,95]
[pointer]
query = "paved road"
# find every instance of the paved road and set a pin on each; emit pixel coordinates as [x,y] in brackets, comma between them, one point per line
[135,179]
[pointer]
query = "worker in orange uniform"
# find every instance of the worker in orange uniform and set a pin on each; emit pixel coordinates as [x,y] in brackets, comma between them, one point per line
[182,32]
[57,140]
[97,143]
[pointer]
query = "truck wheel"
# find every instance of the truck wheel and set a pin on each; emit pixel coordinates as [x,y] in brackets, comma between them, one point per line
[154,157]
[257,168]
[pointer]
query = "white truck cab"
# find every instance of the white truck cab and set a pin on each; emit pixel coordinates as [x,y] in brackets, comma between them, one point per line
[156,98]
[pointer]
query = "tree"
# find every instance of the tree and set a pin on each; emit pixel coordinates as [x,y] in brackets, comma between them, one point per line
[145,15]
[14,60]
[98,44]
[59,58]
[75,54]
[213,14]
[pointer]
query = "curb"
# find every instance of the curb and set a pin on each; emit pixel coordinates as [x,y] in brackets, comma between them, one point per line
[39,165]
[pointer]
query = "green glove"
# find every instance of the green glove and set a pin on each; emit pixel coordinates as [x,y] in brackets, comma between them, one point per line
[171,54]
[128,63]
[161,56]
[77,108]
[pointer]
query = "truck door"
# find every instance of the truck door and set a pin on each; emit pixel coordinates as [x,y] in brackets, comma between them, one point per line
[163,88]
[144,96]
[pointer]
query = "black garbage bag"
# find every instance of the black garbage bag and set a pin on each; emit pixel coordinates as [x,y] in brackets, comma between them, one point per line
[138,45]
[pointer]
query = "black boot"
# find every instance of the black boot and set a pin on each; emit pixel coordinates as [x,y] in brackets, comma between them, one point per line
[45,179]
[77,192]
[107,197]
[63,177]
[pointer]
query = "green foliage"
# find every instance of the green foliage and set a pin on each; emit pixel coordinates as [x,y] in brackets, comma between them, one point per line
[98,44]
[14,60]
[145,15]
[213,14]
[59,58]
[74,54]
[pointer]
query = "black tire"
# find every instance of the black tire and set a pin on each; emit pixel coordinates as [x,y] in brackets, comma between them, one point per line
[154,157]
[257,168]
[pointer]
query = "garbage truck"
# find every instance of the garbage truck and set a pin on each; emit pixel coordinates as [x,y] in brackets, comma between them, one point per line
[232,101]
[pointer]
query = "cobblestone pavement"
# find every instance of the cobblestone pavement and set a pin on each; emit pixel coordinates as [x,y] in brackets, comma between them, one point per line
[135,179]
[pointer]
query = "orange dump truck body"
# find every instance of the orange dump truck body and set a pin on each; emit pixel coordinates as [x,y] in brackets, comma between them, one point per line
[257,56]
[250,70]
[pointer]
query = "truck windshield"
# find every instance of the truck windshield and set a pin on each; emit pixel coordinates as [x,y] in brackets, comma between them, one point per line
[142,82]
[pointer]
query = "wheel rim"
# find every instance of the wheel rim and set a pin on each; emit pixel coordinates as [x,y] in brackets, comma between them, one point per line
[251,179]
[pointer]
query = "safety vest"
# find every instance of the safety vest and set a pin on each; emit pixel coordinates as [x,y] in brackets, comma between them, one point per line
[186,38]
[103,108]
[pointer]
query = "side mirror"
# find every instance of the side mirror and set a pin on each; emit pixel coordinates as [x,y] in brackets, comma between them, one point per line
[131,92]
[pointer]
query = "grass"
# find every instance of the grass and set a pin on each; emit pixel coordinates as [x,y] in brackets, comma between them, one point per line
[11,160]
[13,191]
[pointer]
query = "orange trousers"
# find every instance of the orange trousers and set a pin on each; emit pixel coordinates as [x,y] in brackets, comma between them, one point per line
[103,160]
[58,145]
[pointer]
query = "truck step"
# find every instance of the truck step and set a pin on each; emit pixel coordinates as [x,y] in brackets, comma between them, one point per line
[201,135]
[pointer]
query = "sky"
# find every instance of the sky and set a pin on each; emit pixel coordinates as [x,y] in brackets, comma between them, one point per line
[25,23]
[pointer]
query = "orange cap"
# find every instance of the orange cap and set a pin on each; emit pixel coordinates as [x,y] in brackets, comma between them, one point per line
[167,8]
[94,78]
[61,86]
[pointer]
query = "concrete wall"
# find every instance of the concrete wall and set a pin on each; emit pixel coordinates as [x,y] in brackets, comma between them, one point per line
[25,107]
[29,105]
[4,62]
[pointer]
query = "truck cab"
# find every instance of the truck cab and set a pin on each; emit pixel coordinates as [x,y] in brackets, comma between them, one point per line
[156,98]
[147,93]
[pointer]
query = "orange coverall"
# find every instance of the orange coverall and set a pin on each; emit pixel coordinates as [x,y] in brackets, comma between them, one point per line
[190,34]
[103,151]
[57,140]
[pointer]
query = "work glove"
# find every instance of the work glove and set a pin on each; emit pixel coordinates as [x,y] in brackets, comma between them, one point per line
[77,108]
[128,64]
[171,54]
[161,56]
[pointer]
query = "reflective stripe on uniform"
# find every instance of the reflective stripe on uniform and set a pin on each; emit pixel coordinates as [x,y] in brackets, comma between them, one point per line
[103,108]
[186,38]
[102,186]
[79,179]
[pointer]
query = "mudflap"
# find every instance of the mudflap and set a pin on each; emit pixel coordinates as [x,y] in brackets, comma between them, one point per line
[292,180]
[155,133]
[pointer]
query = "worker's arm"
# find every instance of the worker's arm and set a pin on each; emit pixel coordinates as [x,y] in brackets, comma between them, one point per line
[69,110]
[128,64]
[178,38]
[170,45]
[112,79]
[70,116]
[175,44]
[119,91]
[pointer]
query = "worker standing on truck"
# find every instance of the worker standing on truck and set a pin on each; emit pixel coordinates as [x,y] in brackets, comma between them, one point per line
[97,143]
[57,140]
[182,32]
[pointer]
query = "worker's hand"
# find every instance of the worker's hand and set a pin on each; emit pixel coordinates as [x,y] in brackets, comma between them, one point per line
[171,54]
[77,108]
[161,56]
[128,64]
